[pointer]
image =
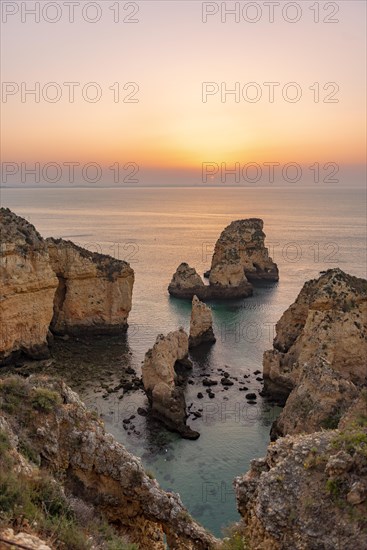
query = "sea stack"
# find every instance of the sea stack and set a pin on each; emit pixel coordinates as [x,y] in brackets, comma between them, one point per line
[201,324]
[160,381]
[243,242]
[240,257]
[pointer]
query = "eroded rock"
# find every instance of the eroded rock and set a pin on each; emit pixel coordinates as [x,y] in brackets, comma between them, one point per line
[160,381]
[201,324]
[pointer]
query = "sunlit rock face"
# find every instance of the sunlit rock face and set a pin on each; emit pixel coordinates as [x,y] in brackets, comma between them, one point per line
[27,288]
[201,324]
[94,293]
[319,353]
[160,381]
[243,242]
[54,284]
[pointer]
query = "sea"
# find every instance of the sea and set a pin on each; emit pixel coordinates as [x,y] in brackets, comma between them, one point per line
[308,230]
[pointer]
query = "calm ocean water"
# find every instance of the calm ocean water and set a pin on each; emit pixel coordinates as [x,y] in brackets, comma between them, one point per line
[308,230]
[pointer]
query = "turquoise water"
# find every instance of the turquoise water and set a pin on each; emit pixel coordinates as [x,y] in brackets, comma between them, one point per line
[308,230]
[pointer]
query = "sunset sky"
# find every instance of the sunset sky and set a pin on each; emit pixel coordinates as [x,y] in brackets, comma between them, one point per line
[169,53]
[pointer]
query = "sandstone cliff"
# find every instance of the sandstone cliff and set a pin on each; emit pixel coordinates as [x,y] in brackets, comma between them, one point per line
[319,354]
[27,289]
[243,242]
[94,292]
[161,381]
[201,324]
[53,427]
[55,284]
[308,493]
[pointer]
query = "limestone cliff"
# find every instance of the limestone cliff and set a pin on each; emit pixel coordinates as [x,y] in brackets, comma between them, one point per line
[161,382]
[308,493]
[94,292]
[243,242]
[55,284]
[27,289]
[319,354]
[201,324]
[64,439]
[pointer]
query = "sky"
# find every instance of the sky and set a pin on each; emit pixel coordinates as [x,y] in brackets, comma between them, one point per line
[171,58]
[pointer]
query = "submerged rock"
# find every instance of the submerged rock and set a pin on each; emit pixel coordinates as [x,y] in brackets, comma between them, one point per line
[201,324]
[166,397]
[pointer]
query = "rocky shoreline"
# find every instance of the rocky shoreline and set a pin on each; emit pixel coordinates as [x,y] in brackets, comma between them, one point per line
[308,492]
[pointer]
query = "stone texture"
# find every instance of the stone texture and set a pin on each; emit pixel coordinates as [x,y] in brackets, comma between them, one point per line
[293,499]
[201,324]
[54,283]
[27,288]
[328,320]
[243,242]
[160,381]
[98,470]
[94,293]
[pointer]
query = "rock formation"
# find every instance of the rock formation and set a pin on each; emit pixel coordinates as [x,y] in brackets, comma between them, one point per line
[161,382]
[201,324]
[55,284]
[94,294]
[27,289]
[319,354]
[229,283]
[66,440]
[239,256]
[242,242]
[309,492]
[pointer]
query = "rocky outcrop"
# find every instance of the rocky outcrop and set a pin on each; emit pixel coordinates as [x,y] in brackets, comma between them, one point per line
[94,294]
[239,256]
[55,284]
[319,354]
[66,440]
[160,381]
[242,242]
[229,283]
[201,324]
[309,492]
[27,289]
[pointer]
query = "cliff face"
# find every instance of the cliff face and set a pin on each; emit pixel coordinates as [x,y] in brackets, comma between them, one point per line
[308,493]
[55,284]
[328,319]
[27,288]
[201,324]
[68,441]
[243,241]
[319,354]
[161,382]
[94,292]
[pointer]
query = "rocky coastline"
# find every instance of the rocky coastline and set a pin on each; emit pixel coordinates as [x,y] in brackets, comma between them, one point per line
[308,492]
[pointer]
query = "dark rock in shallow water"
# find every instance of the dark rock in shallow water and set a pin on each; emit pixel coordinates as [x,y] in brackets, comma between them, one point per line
[226,382]
[251,396]
[142,411]
[200,395]
[208,382]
